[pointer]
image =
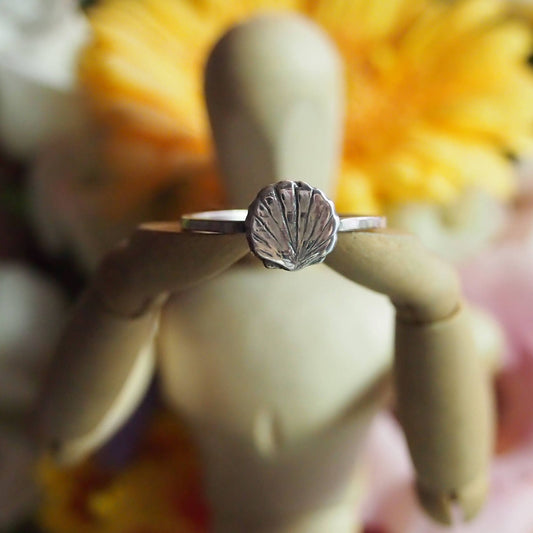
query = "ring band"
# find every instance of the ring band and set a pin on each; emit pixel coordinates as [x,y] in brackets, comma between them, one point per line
[289,225]
[225,221]
[228,221]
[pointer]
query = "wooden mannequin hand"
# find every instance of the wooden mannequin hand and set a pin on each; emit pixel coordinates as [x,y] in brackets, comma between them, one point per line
[160,258]
[422,287]
[443,394]
[105,359]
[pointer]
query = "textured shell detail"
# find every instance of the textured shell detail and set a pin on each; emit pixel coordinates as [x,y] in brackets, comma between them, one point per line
[291,225]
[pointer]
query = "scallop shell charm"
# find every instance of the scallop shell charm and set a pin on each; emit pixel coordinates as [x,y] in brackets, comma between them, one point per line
[291,225]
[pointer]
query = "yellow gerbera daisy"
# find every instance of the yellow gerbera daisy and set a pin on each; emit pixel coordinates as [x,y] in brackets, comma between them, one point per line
[439,92]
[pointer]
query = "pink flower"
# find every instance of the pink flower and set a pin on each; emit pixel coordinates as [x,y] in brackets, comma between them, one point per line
[392,507]
[501,281]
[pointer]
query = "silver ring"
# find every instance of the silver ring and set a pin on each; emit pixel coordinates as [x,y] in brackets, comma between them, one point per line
[289,225]
[228,221]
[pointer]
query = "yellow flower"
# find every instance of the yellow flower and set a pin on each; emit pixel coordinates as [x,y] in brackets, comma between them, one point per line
[159,491]
[439,92]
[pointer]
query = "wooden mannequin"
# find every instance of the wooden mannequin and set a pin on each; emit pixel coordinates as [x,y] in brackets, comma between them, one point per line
[278,374]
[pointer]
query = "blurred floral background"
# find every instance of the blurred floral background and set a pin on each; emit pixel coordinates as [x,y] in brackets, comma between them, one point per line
[103,126]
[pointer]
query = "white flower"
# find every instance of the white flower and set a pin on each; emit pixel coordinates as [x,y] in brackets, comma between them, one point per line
[32,311]
[455,231]
[69,207]
[39,43]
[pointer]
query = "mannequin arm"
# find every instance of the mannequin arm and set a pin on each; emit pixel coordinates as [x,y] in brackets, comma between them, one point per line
[443,396]
[105,360]
[160,258]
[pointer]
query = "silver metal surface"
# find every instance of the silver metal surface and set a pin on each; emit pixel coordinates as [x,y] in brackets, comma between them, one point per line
[358,223]
[224,221]
[289,225]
